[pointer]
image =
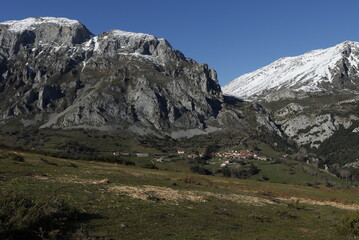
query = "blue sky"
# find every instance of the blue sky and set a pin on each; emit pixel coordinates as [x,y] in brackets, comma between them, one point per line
[233,37]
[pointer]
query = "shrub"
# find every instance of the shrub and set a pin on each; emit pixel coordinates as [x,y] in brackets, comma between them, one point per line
[73,165]
[286,214]
[24,218]
[296,205]
[75,147]
[17,158]
[240,171]
[111,159]
[265,178]
[190,180]
[194,181]
[226,172]
[349,225]
[200,170]
[150,166]
[12,156]
[48,162]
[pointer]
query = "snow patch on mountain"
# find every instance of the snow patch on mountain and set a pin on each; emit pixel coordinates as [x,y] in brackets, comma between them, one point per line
[30,23]
[118,42]
[124,34]
[301,73]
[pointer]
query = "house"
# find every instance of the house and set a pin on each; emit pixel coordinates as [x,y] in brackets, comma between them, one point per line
[124,154]
[142,154]
[243,155]
[192,156]
[262,158]
[159,159]
[180,152]
[218,154]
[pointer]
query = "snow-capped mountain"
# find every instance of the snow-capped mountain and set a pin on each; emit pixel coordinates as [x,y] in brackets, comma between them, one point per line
[316,71]
[31,23]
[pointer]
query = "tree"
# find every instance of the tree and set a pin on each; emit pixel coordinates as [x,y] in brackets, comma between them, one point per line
[209,150]
[344,174]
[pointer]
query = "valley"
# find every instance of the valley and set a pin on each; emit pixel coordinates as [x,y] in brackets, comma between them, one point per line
[121,136]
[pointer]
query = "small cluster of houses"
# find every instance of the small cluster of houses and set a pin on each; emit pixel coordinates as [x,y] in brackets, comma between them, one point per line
[231,154]
[243,154]
[190,155]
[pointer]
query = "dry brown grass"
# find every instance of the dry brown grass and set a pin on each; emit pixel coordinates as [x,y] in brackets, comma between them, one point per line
[346,206]
[147,192]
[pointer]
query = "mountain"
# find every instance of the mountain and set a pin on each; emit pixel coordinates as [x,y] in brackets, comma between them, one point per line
[56,73]
[313,98]
[319,71]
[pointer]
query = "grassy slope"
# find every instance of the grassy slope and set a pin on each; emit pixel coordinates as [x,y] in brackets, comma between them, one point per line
[271,215]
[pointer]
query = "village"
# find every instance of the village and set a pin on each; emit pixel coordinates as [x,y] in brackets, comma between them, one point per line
[231,156]
[226,158]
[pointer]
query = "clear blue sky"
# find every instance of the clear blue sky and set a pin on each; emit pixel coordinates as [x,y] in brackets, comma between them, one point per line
[233,37]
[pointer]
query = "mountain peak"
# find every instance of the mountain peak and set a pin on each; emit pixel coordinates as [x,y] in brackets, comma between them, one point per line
[351,43]
[315,71]
[35,32]
[30,23]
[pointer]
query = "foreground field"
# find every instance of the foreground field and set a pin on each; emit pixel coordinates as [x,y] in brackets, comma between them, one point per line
[128,202]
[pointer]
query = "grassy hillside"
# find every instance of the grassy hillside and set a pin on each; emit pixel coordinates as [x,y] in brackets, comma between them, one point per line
[128,202]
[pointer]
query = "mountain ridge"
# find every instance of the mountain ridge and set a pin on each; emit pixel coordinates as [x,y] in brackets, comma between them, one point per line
[314,71]
[59,73]
[61,76]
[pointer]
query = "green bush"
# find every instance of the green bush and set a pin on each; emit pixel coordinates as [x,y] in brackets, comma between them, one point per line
[349,225]
[12,156]
[150,166]
[200,170]
[265,178]
[48,162]
[240,171]
[111,159]
[17,158]
[22,217]
[75,147]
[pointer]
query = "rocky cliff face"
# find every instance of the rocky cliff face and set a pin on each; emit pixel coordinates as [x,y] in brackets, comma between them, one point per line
[311,129]
[55,73]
